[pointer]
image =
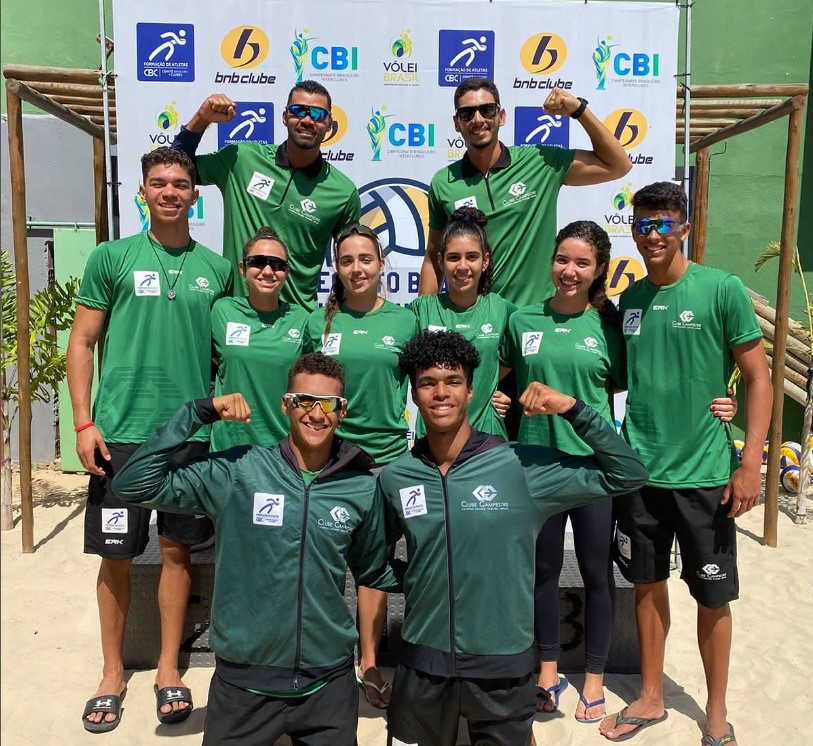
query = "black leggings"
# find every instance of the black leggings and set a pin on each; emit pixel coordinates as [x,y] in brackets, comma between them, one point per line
[592,535]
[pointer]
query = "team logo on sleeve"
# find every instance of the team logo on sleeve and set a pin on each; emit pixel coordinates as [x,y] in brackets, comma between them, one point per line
[268,509]
[632,322]
[435,328]
[332,343]
[413,501]
[147,283]
[237,335]
[530,343]
[260,185]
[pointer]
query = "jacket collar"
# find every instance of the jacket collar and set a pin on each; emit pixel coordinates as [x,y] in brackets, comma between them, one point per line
[281,159]
[468,169]
[343,455]
[477,443]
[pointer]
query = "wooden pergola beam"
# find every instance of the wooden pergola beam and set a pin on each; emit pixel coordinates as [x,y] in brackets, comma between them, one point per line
[51,74]
[80,100]
[745,90]
[708,123]
[21,90]
[702,114]
[746,125]
[68,89]
[701,205]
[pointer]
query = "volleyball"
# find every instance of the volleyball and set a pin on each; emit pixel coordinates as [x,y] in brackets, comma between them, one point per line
[738,446]
[789,477]
[790,454]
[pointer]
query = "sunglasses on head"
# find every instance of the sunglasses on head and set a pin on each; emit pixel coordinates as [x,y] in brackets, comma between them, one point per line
[663,226]
[300,111]
[307,402]
[487,111]
[261,261]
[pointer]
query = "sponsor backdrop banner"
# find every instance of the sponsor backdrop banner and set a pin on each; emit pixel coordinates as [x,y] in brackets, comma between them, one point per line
[392,70]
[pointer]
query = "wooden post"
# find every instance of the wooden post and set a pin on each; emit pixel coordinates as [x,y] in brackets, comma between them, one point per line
[100,190]
[786,243]
[701,205]
[16,152]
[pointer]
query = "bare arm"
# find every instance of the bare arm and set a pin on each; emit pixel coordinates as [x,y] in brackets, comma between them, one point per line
[431,276]
[87,328]
[607,160]
[744,486]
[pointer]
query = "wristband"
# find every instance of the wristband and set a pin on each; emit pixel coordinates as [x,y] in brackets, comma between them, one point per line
[83,427]
[582,106]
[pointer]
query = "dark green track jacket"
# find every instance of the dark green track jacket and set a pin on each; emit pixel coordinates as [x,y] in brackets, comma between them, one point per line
[471,539]
[279,618]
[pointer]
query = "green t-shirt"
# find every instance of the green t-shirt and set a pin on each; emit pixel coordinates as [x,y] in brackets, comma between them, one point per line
[304,206]
[519,198]
[368,345]
[157,351]
[579,355]
[679,339]
[484,325]
[254,352]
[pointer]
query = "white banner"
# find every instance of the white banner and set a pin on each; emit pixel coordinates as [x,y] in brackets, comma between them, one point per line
[391,70]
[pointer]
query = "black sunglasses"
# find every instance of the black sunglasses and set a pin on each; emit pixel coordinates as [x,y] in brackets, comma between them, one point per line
[300,111]
[487,111]
[261,261]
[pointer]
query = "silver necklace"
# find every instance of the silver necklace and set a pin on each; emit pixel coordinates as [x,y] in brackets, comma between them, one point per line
[171,294]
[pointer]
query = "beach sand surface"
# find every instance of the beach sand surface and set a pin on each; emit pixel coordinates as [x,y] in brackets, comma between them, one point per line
[51,660]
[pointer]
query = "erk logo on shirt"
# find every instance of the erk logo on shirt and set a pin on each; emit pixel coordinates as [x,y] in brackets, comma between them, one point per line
[260,185]
[237,334]
[268,509]
[146,283]
[530,343]
[413,501]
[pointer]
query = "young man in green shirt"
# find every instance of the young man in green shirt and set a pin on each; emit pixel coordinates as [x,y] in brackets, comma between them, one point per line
[516,187]
[685,326]
[288,187]
[148,298]
[470,506]
[290,520]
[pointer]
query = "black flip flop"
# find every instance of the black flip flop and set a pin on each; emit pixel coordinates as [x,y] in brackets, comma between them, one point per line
[107,704]
[167,696]
[639,723]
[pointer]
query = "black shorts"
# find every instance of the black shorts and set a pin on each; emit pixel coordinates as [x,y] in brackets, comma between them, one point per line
[328,717]
[425,710]
[647,523]
[118,530]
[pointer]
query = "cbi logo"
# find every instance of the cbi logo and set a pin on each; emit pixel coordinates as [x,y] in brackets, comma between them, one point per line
[629,127]
[631,69]
[338,129]
[244,48]
[623,272]
[339,63]
[399,135]
[543,54]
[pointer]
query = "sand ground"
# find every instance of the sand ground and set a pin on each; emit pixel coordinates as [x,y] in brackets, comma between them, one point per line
[50,650]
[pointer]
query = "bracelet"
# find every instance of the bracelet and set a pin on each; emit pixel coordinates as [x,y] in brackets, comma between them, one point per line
[582,106]
[83,427]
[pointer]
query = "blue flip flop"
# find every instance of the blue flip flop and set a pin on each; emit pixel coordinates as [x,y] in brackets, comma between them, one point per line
[555,692]
[587,706]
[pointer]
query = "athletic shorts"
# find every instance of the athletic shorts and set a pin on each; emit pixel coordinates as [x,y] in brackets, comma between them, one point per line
[328,717]
[118,530]
[647,523]
[425,710]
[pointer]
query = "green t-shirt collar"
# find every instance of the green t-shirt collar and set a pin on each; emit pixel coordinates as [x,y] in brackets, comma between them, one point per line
[281,159]
[468,170]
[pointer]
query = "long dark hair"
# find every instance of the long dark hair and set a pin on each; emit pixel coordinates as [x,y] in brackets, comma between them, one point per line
[469,221]
[337,290]
[593,234]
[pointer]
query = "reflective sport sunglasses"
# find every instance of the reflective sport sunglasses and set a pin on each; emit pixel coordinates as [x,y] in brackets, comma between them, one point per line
[300,111]
[307,402]
[663,226]
[261,261]
[487,111]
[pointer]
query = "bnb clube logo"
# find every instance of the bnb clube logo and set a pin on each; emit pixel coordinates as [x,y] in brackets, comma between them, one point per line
[543,54]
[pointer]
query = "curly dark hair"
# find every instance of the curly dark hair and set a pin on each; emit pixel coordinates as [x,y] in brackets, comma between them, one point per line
[264,234]
[475,84]
[312,87]
[662,195]
[447,350]
[469,221]
[166,157]
[315,363]
[594,235]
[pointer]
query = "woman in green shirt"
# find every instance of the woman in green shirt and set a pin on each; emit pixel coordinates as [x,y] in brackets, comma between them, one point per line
[256,341]
[366,333]
[469,308]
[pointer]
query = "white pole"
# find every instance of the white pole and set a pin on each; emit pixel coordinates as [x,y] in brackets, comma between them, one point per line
[108,165]
[687,103]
